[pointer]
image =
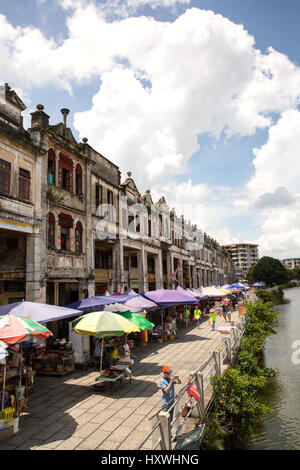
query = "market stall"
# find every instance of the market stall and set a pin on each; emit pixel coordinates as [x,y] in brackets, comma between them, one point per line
[167,298]
[15,371]
[136,303]
[106,325]
[51,356]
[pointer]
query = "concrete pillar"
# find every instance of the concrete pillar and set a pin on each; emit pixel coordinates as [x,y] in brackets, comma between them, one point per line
[158,271]
[34,291]
[165,429]
[142,269]
[180,272]
[56,293]
[118,266]
[194,277]
[170,269]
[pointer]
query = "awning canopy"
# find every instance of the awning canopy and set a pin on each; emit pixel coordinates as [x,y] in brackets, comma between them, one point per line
[41,313]
[214,292]
[198,293]
[259,284]
[141,303]
[168,297]
[119,308]
[98,301]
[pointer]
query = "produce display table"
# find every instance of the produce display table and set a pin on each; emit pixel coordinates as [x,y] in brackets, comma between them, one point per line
[54,363]
[110,380]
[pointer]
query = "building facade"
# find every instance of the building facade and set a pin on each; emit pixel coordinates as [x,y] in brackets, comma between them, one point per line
[70,228]
[291,263]
[20,205]
[243,255]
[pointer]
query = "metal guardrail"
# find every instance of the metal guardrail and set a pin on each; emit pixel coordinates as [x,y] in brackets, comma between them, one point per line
[165,432]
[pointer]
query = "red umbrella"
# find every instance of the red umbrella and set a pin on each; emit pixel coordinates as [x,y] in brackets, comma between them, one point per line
[15,329]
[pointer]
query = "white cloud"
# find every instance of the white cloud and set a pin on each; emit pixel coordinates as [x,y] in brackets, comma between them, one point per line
[277,162]
[281,244]
[161,85]
[156,3]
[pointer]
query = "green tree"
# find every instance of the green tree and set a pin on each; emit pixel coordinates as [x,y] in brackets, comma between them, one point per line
[249,276]
[271,271]
[295,273]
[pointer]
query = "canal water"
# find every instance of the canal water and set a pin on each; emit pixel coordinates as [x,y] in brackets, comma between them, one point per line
[281,430]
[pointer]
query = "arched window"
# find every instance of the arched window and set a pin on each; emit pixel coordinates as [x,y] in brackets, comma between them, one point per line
[51,166]
[24,184]
[5,170]
[78,172]
[78,237]
[66,223]
[51,231]
[65,172]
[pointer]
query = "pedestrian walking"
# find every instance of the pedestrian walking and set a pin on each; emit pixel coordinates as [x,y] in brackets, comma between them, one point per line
[212,316]
[167,385]
[224,312]
[229,315]
[186,315]
[197,316]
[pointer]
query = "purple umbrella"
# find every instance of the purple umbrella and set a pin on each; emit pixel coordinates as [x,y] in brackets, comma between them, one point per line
[41,313]
[168,297]
[141,302]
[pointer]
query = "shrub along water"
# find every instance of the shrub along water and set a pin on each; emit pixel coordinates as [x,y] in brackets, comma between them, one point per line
[275,296]
[237,407]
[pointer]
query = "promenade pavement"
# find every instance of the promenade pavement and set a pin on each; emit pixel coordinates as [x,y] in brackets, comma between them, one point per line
[65,413]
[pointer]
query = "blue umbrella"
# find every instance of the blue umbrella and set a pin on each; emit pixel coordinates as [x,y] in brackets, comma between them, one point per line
[236,286]
[94,302]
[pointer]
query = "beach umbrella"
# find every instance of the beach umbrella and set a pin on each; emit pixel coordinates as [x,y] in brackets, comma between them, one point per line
[38,312]
[140,321]
[15,329]
[3,354]
[225,290]
[236,286]
[214,292]
[103,324]
[120,308]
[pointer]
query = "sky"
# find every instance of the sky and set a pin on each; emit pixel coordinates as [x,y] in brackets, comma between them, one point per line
[198,99]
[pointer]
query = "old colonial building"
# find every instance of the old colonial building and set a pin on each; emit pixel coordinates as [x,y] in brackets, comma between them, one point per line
[67,258]
[20,204]
[70,228]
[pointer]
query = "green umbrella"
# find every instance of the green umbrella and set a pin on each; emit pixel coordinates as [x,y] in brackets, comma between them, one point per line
[138,320]
[103,324]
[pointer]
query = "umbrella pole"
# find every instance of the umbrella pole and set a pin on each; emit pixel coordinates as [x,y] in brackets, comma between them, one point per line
[3,389]
[21,361]
[101,355]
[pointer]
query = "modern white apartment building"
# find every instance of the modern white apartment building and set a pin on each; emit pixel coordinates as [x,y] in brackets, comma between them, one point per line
[244,255]
[291,263]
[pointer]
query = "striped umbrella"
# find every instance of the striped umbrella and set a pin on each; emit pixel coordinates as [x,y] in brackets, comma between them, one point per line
[103,324]
[138,320]
[15,329]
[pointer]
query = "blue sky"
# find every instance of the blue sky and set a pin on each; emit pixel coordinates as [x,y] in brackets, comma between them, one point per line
[208,157]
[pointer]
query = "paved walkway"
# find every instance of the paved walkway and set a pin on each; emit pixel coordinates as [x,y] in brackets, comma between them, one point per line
[66,412]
